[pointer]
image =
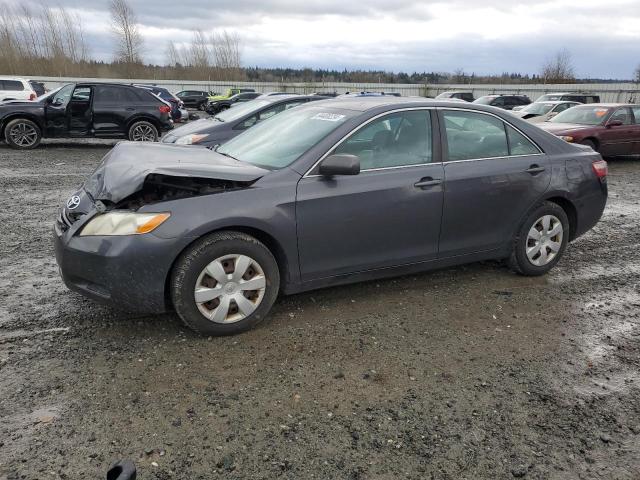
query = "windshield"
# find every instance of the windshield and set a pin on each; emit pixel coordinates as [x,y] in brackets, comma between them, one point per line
[241,110]
[538,108]
[280,140]
[485,100]
[583,115]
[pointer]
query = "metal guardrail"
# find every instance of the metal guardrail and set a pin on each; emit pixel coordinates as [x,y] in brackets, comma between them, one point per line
[609,92]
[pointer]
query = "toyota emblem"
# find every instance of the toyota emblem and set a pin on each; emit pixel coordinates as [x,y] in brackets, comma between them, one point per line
[73,202]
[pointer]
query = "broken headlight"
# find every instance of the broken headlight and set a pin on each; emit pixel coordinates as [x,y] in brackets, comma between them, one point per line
[123,223]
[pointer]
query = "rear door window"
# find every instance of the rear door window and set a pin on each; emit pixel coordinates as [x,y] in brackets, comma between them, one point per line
[12,85]
[519,144]
[112,95]
[473,135]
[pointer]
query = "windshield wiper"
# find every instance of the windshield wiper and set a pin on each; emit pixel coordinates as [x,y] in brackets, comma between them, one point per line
[226,155]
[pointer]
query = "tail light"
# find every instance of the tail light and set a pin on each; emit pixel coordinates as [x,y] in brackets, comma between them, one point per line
[600,168]
[164,108]
[33,96]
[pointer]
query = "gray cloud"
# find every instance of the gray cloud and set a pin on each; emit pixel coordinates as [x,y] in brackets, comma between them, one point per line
[506,47]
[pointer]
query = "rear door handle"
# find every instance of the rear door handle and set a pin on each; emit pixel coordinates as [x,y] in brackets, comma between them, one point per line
[535,169]
[427,182]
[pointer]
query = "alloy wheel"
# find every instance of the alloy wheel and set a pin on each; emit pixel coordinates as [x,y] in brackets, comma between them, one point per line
[230,288]
[544,240]
[143,133]
[23,134]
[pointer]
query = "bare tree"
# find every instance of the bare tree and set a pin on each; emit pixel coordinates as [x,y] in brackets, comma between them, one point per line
[124,25]
[200,53]
[173,55]
[636,77]
[559,68]
[47,40]
[226,50]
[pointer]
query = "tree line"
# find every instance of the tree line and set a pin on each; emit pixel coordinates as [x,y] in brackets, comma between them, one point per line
[50,41]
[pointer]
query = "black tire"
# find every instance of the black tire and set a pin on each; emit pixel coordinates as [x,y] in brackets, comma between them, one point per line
[590,143]
[190,266]
[32,134]
[202,106]
[143,131]
[519,261]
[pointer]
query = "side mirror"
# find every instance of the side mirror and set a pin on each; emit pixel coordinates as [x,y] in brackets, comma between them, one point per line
[614,123]
[339,164]
[552,114]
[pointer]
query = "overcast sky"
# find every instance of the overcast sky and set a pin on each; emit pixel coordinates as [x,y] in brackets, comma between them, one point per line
[482,36]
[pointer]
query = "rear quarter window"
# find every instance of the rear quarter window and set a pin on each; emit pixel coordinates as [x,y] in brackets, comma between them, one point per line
[12,85]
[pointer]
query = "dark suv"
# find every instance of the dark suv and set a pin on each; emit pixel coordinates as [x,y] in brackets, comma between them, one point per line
[217,106]
[194,98]
[506,102]
[582,97]
[80,110]
[466,96]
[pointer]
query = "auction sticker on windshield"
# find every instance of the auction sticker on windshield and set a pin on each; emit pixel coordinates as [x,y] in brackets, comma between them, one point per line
[329,117]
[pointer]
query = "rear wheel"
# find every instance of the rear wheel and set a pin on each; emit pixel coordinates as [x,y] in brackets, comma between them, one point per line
[224,284]
[22,134]
[202,106]
[143,131]
[541,241]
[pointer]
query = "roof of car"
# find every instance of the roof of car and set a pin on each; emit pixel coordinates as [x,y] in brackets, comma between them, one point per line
[363,104]
[609,105]
[281,98]
[570,93]
[506,95]
[556,102]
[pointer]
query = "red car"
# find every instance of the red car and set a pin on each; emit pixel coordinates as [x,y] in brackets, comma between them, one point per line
[609,128]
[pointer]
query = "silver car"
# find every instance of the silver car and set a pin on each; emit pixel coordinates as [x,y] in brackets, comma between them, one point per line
[543,111]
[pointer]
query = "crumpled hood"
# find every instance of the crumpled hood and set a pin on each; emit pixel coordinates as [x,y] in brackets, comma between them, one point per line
[125,168]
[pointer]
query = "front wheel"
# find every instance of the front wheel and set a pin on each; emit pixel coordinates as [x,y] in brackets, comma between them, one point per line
[22,134]
[143,131]
[541,241]
[224,284]
[202,106]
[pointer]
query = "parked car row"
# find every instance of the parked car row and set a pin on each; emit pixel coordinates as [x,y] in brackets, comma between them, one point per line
[144,112]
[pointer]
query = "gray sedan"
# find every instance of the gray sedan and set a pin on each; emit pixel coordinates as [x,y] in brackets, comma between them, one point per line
[212,131]
[328,193]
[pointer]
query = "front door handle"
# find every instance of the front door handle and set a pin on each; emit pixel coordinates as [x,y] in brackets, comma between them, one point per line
[535,169]
[427,182]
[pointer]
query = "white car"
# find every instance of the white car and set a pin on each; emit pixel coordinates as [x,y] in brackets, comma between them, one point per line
[15,88]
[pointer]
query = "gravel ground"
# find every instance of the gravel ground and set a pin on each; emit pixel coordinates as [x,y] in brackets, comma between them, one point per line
[466,373]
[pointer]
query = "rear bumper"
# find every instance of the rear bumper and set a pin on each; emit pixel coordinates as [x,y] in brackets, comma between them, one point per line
[590,209]
[129,272]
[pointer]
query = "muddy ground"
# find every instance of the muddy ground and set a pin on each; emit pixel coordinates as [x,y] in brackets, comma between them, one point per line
[465,373]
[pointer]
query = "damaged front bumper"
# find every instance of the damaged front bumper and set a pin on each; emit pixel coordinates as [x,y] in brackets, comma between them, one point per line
[129,272]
